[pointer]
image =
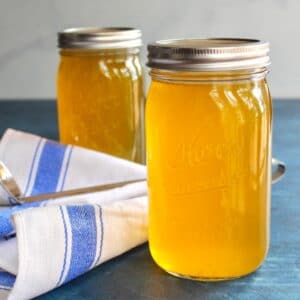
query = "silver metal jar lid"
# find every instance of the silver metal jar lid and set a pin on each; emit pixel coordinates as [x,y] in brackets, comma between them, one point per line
[99,38]
[217,54]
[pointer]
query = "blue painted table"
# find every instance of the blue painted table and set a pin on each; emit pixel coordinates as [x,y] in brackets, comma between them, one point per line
[134,275]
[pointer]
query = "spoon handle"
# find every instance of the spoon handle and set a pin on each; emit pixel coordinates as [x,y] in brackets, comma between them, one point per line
[73,192]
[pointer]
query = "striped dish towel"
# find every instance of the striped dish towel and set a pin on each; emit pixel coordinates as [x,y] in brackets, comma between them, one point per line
[46,244]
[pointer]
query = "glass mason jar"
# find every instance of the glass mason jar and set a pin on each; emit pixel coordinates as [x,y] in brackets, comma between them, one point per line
[208,133]
[100,90]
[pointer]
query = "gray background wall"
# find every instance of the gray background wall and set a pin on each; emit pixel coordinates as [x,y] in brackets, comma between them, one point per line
[28,55]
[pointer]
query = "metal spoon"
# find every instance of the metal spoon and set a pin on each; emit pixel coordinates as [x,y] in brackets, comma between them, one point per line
[279,170]
[10,191]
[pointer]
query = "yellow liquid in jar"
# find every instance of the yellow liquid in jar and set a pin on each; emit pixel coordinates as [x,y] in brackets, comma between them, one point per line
[208,157]
[100,102]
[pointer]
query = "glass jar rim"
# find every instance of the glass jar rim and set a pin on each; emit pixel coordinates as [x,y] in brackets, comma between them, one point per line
[212,54]
[89,38]
[191,77]
[76,52]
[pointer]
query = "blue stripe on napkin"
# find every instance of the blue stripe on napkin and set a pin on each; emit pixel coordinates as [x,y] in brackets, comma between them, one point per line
[7,280]
[46,180]
[49,168]
[84,239]
[32,165]
[69,155]
[6,227]
[66,246]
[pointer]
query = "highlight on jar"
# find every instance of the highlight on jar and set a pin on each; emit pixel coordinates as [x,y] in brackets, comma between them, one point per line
[100,90]
[208,141]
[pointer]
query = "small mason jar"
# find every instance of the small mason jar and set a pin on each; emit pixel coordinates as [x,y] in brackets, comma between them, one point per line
[208,133]
[100,90]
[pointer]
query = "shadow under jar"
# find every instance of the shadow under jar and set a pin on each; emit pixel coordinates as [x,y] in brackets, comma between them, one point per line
[208,137]
[100,90]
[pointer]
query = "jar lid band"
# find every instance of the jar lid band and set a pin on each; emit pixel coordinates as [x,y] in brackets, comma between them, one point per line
[99,38]
[217,54]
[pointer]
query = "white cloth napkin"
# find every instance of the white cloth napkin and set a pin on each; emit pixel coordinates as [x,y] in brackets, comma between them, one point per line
[58,240]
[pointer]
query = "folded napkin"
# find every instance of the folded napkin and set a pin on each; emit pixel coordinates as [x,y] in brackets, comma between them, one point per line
[46,244]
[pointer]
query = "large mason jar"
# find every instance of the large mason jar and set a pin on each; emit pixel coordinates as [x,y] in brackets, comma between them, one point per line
[100,90]
[208,132]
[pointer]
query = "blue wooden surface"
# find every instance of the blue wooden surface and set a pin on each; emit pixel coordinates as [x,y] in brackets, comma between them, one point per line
[135,276]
